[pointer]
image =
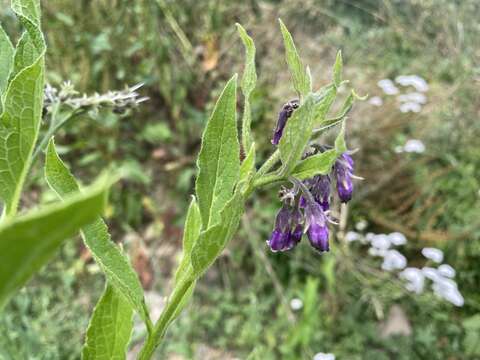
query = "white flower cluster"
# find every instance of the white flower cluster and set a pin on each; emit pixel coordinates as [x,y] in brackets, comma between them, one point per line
[409,102]
[442,278]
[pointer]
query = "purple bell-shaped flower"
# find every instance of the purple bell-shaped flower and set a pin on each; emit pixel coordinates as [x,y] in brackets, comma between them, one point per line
[343,171]
[317,227]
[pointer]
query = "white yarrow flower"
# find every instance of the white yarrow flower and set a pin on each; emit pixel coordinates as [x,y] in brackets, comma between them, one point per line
[415,279]
[414,146]
[446,271]
[324,356]
[394,260]
[397,238]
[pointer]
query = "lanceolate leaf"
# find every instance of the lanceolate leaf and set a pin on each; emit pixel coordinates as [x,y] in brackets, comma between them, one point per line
[212,241]
[106,253]
[319,164]
[296,135]
[191,232]
[301,80]
[218,161]
[247,168]
[337,70]
[20,121]
[249,80]
[27,242]
[324,103]
[6,61]
[340,145]
[110,328]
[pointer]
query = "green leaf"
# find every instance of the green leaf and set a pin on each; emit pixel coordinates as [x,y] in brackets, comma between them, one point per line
[6,61]
[27,242]
[301,80]
[319,164]
[296,135]
[22,110]
[247,168]
[218,161]
[337,70]
[191,232]
[110,328]
[324,101]
[106,253]
[212,241]
[28,8]
[249,80]
[340,145]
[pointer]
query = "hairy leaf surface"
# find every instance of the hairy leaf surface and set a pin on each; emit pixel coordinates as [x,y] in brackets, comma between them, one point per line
[22,108]
[212,241]
[296,135]
[106,253]
[249,80]
[110,328]
[301,79]
[218,161]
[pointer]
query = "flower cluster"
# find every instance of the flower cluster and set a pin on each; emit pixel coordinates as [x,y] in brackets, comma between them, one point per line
[306,206]
[442,277]
[408,102]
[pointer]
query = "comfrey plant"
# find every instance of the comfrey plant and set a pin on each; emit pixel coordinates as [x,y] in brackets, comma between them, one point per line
[223,185]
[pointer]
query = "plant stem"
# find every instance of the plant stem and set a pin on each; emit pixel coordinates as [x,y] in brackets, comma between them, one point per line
[267,165]
[154,339]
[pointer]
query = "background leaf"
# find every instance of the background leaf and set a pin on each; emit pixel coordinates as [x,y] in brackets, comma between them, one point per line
[249,80]
[106,253]
[301,80]
[20,121]
[218,161]
[110,328]
[296,135]
[27,242]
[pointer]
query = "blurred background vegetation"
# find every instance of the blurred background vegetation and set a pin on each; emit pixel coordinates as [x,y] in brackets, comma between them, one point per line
[183,51]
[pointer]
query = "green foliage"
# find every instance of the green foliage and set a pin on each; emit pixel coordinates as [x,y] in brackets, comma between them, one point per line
[110,328]
[218,160]
[109,257]
[6,59]
[214,239]
[249,80]
[301,80]
[22,107]
[296,135]
[51,224]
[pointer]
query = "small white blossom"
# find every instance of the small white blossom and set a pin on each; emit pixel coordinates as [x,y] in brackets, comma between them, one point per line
[361,225]
[412,80]
[369,237]
[397,238]
[446,271]
[352,236]
[431,273]
[381,241]
[448,290]
[377,252]
[410,107]
[415,97]
[388,87]
[394,260]
[415,279]
[414,146]
[376,101]
[324,356]
[296,304]
[433,254]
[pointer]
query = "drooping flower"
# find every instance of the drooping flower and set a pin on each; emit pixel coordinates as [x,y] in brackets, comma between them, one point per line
[317,226]
[288,229]
[343,171]
[281,231]
[321,191]
[285,113]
